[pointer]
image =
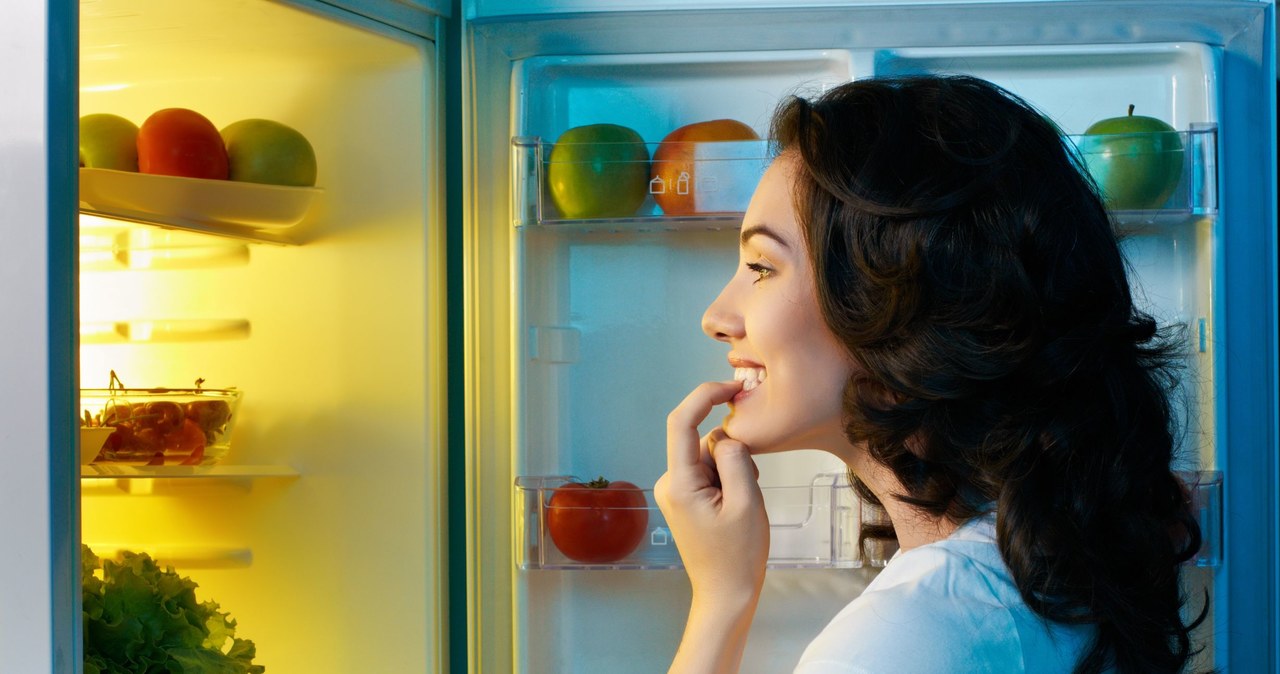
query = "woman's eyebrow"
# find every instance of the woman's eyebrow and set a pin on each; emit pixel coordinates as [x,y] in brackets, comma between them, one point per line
[763,230]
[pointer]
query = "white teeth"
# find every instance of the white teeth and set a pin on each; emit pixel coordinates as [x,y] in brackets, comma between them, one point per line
[751,377]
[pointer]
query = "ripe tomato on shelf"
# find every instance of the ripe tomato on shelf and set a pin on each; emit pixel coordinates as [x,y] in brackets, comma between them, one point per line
[597,522]
[181,142]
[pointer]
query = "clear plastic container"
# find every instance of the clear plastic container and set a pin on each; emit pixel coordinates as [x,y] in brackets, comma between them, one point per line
[1171,172]
[1205,489]
[1147,177]
[161,426]
[713,182]
[817,525]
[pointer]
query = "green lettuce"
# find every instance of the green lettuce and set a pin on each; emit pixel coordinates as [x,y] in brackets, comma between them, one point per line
[139,619]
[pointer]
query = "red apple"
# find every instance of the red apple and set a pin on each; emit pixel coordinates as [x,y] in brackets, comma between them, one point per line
[181,142]
[674,180]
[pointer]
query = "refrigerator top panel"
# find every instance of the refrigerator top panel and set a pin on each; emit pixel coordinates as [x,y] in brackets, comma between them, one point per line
[493,8]
[1231,24]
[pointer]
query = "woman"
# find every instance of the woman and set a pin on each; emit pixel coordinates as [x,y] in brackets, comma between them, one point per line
[931,290]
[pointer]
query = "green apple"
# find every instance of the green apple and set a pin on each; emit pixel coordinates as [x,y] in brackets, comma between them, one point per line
[108,142]
[1136,160]
[265,151]
[598,171]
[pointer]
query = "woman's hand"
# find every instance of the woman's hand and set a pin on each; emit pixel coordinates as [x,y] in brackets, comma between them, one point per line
[714,508]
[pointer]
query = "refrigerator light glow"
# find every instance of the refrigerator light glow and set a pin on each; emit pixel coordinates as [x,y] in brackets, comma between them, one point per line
[117,86]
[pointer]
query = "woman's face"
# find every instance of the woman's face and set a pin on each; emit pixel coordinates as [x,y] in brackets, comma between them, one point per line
[793,367]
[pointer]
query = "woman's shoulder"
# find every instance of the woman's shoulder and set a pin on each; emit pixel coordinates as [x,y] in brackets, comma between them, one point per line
[950,606]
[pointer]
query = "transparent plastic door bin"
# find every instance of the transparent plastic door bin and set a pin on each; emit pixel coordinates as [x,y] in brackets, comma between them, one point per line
[817,525]
[597,183]
[1144,176]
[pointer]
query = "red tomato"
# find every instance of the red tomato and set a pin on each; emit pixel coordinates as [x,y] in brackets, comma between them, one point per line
[181,142]
[599,521]
[185,443]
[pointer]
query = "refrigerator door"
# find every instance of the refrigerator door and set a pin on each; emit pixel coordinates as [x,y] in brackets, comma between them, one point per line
[319,524]
[39,569]
[583,334]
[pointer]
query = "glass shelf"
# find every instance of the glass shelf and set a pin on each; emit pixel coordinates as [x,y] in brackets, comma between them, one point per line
[220,471]
[115,245]
[714,192]
[176,330]
[811,526]
[142,480]
[183,224]
[180,556]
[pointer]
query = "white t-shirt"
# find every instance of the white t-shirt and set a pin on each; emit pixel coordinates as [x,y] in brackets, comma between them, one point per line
[949,607]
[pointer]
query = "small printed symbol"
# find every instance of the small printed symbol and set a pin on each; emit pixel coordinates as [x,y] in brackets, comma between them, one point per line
[682,183]
[660,536]
[657,186]
[708,184]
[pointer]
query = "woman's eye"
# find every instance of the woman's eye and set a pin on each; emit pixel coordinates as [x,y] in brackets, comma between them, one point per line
[762,272]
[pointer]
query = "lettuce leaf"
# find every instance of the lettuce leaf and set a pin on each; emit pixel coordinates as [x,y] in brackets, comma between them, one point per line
[139,619]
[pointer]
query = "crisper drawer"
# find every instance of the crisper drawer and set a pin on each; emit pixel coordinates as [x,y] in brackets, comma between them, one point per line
[559,526]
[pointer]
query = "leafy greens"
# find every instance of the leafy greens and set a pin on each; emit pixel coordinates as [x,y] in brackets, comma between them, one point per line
[139,619]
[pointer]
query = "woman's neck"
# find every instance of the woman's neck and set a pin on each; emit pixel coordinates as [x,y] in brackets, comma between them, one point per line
[912,526]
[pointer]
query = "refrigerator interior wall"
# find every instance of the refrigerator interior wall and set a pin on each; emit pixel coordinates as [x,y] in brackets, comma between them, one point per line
[606,326]
[330,563]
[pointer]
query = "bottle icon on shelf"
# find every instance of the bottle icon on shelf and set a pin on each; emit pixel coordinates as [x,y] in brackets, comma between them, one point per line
[682,183]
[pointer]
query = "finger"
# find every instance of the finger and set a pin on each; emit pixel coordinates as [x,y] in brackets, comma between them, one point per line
[660,493]
[683,443]
[708,441]
[739,476]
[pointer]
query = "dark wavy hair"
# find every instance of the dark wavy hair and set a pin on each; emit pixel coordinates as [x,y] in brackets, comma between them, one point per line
[965,260]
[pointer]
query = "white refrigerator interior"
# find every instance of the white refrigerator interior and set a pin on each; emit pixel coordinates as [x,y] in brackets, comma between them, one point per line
[603,315]
[320,530]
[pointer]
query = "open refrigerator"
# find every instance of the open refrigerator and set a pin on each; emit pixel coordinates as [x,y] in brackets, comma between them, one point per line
[582,333]
[315,517]
[425,349]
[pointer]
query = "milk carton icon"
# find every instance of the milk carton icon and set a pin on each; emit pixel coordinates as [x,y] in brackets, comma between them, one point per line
[682,183]
[657,186]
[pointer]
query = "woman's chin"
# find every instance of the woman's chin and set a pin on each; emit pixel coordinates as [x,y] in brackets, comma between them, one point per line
[740,430]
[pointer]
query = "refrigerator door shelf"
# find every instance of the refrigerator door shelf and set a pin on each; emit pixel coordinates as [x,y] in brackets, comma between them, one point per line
[1205,488]
[811,526]
[1135,170]
[715,180]
[1154,179]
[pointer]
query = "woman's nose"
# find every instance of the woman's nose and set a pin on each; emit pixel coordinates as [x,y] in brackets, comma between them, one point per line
[721,321]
